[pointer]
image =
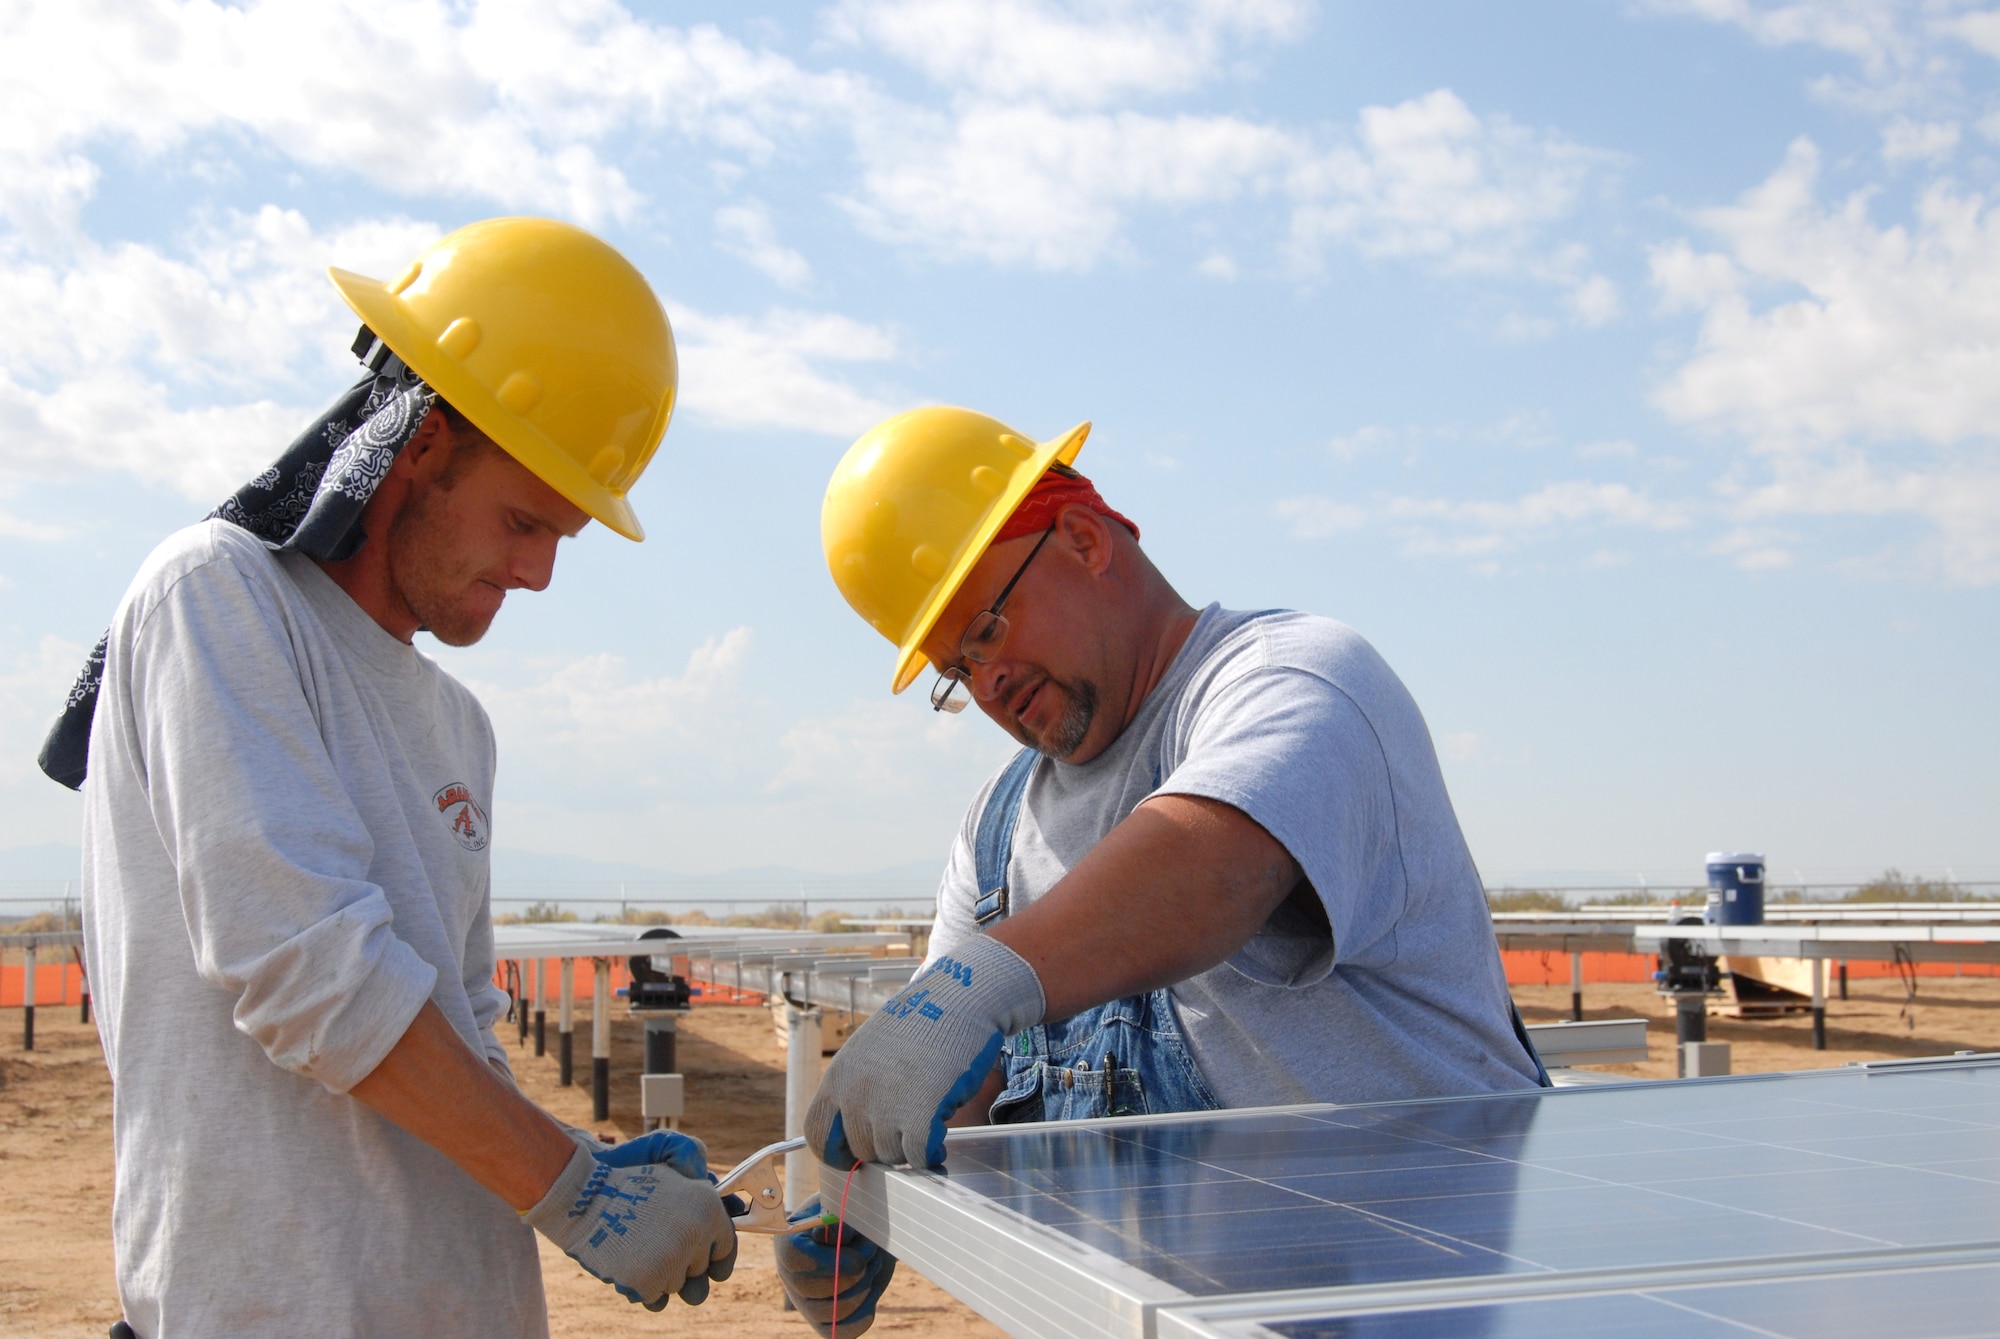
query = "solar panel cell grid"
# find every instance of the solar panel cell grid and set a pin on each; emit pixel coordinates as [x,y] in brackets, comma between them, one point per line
[1586,1179]
[1913,1304]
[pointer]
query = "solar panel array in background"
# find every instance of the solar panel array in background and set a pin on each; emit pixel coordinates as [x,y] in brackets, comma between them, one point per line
[1658,1177]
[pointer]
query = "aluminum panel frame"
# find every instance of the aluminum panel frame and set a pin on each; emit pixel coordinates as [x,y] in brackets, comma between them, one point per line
[1030,1280]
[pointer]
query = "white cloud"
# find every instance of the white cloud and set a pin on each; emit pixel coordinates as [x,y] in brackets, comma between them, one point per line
[605,726]
[504,100]
[1081,55]
[101,348]
[1217,265]
[745,373]
[1905,53]
[1756,549]
[1428,177]
[746,231]
[1023,184]
[1464,746]
[1595,301]
[1959,501]
[1979,30]
[883,748]
[1817,325]
[192,365]
[1907,141]
[1857,359]
[1316,517]
[1877,33]
[1482,527]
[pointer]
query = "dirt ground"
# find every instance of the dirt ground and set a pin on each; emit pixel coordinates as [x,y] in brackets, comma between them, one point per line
[56,1277]
[55,1146]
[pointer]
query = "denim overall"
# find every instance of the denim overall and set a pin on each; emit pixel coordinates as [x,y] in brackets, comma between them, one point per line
[1125,1058]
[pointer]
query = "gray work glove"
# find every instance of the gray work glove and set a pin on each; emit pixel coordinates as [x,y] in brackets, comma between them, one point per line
[649,1230]
[887,1094]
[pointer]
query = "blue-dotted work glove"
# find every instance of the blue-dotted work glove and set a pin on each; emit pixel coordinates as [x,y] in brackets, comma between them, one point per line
[888,1092]
[805,1267]
[643,1216]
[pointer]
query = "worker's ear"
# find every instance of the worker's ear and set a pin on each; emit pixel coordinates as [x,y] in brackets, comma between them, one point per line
[427,452]
[1087,536]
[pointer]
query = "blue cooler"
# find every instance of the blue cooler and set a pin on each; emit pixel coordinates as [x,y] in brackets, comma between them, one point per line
[1735,888]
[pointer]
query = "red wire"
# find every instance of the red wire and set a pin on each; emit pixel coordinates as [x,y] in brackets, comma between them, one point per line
[833,1324]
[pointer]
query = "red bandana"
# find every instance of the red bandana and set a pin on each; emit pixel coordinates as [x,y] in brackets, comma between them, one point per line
[1054,491]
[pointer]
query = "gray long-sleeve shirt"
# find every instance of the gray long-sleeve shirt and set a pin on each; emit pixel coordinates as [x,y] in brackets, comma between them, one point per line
[285,855]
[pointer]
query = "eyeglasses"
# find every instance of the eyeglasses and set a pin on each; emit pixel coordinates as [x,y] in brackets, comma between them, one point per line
[981,641]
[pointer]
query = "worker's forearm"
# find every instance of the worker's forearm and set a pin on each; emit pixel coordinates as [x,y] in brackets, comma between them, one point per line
[446,1094]
[1173,890]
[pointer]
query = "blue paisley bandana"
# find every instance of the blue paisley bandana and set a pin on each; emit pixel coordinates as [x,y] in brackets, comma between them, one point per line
[309,501]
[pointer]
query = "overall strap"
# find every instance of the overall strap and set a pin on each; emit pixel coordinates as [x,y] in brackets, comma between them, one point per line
[994,838]
[1528,1044]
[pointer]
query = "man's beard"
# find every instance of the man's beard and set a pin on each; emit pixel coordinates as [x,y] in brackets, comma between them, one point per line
[1079,710]
[422,562]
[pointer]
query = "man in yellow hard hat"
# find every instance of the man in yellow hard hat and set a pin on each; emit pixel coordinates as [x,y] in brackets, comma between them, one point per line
[286,828]
[1222,872]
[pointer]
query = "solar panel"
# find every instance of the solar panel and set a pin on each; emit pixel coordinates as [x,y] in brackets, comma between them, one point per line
[1934,1302]
[1504,1197]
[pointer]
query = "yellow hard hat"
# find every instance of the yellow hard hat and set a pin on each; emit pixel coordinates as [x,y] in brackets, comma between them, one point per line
[911,508]
[548,340]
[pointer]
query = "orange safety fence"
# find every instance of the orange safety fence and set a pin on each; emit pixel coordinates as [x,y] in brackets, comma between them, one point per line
[1550,967]
[56,982]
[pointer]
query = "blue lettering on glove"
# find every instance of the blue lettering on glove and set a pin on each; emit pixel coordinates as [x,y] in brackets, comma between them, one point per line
[918,1003]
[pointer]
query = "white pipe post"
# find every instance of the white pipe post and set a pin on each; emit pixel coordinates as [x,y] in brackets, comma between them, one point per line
[802,1066]
[566,1023]
[600,1041]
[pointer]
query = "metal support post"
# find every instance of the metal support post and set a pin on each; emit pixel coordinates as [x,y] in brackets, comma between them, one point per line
[565,1022]
[521,998]
[1690,1024]
[541,1013]
[1819,1003]
[1576,987]
[661,1092]
[1843,978]
[802,1066]
[28,998]
[600,1042]
[661,1035]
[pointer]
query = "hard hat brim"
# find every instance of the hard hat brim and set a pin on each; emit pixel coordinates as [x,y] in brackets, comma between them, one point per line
[372,301]
[1059,450]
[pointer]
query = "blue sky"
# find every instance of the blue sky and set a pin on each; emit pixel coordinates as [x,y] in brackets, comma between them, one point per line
[1629,373]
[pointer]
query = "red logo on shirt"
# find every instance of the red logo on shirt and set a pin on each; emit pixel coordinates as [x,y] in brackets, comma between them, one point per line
[468,820]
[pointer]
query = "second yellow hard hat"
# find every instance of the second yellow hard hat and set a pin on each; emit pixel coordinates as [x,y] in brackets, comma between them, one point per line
[548,340]
[912,507]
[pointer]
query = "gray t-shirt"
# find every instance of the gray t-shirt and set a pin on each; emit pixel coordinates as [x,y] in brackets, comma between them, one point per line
[285,854]
[1296,721]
